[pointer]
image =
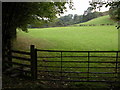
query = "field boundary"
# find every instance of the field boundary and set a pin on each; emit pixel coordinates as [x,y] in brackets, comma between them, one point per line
[16,63]
[116,67]
[40,74]
[96,24]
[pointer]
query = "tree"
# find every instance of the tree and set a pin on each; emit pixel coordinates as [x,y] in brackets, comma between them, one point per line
[20,14]
[114,10]
[89,10]
[76,19]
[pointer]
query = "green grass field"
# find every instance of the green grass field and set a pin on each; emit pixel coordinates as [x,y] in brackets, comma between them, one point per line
[98,21]
[70,38]
[89,38]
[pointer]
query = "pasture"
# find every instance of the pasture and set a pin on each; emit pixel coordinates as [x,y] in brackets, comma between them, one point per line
[98,21]
[89,38]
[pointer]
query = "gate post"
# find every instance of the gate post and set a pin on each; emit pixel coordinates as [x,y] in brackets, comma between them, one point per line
[33,53]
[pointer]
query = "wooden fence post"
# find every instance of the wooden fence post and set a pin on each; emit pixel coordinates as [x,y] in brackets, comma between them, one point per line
[33,53]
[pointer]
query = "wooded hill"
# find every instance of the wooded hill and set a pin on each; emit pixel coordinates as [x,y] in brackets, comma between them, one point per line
[73,20]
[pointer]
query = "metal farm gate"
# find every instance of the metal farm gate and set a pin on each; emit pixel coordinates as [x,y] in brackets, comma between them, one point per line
[68,66]
[78,66]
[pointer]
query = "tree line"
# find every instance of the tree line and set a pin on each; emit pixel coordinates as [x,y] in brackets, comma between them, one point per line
[70,19]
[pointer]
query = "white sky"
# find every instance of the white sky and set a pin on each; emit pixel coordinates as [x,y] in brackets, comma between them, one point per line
[81,6]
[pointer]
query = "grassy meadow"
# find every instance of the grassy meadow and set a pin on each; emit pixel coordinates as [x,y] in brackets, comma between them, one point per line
[82,38]
[100,20]
[89,38]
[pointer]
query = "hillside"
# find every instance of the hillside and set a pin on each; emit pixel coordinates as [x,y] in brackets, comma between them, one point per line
[100,20]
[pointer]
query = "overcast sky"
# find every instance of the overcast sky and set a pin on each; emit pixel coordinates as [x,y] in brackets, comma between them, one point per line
[81,6]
